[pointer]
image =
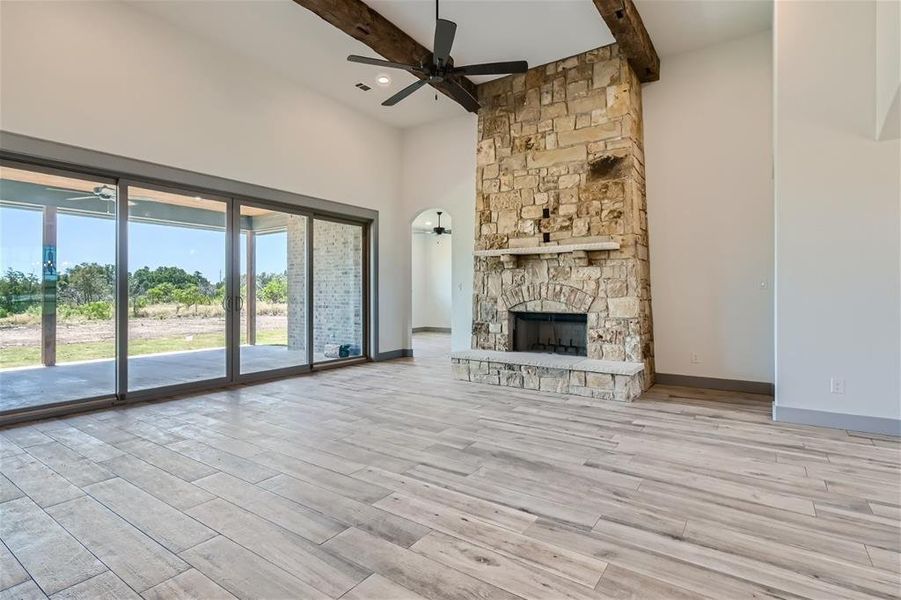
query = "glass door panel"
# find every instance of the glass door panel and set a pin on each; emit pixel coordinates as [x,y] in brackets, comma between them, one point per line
[178,296]
[273,328]
[57,288]
[338,277]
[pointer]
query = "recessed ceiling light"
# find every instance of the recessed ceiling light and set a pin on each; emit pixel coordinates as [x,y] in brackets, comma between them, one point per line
[383,80]
[428,222]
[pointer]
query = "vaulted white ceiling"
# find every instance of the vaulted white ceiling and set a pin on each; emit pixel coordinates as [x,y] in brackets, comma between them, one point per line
[678,26]
[294,43]
[494,30]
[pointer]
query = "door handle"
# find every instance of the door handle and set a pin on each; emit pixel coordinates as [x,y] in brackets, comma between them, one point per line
[227,303]
[240,302]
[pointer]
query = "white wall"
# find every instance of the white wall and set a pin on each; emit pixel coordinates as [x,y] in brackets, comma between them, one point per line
[838,246]
[432,280]
[109,77]
[439,170]
[708,155]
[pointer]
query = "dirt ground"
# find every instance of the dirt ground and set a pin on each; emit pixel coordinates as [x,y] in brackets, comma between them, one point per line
[99,331]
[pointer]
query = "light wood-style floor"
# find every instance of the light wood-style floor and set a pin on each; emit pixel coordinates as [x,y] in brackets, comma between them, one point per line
[391,480]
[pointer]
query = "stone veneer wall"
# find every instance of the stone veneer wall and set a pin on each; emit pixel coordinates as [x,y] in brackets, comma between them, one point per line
[560,155]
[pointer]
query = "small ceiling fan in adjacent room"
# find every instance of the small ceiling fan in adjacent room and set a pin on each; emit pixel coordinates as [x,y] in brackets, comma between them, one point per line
[103,192]
[439,230]
[439,66]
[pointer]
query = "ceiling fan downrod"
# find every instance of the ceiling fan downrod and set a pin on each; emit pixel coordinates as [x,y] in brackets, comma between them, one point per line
[439,70]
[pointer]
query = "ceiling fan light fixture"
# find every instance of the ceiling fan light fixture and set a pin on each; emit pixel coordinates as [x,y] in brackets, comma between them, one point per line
[383,80]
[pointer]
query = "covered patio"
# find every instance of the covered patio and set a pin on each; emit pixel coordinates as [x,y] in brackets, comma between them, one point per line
[38,386]
[48,375]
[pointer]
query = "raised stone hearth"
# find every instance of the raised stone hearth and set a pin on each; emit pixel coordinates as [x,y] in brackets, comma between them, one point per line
[576,375]
[561,225]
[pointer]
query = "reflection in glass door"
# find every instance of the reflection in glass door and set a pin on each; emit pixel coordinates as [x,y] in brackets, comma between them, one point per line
[273,328]
[338,290]
[57,288]
[112,289]
[177,288]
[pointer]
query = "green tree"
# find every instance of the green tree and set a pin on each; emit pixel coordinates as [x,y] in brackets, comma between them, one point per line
[174,275]
[275,291]
[87,282]
[190,295]
[18,291]
[137,291]
[162,292]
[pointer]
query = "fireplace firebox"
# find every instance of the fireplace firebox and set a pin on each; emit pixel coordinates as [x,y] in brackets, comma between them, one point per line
[556,333]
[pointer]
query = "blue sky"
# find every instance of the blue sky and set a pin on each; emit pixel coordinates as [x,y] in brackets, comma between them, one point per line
[87,239]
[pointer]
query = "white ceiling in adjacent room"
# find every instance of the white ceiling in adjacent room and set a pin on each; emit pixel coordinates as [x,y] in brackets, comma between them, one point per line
[428,219]
[293,42]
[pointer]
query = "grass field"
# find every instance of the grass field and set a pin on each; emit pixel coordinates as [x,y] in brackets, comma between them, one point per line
[22,356]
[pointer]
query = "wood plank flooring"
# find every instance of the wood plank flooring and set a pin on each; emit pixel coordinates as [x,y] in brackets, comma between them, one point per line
[393,481]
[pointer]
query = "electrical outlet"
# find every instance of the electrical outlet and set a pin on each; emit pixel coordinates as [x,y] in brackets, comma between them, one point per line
[695,359]
[837,385]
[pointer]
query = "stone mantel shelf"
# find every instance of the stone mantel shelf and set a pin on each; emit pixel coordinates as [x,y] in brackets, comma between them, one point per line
[552,361]
[560,249]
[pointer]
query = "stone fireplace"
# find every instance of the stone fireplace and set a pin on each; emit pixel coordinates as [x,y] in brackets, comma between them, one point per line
[561,230]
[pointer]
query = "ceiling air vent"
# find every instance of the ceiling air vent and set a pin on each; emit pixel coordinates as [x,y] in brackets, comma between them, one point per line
[363,86]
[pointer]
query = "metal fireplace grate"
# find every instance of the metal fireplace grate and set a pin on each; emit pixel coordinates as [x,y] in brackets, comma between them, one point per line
[556,333]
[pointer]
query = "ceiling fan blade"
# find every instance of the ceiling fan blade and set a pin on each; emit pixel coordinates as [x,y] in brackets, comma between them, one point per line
[459,93]
[61,189]
[444,40]
[404,93]
[384,63]
[83,198]
[496,68]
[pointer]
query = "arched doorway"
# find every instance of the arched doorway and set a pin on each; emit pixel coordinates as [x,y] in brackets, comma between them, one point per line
[431,276]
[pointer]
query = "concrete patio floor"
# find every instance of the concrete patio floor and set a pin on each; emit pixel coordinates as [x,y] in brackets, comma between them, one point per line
[25,388]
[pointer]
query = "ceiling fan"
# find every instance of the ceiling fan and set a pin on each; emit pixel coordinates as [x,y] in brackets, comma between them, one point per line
[439,66]
[100,192]
[439,230]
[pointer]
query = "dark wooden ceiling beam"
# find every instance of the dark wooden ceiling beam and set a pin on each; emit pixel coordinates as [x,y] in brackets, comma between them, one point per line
[362,23]
[629,31]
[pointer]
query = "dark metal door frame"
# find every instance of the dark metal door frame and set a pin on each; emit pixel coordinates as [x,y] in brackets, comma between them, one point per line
[54,158]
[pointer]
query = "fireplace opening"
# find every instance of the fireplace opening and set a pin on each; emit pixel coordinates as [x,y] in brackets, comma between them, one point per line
[556,333]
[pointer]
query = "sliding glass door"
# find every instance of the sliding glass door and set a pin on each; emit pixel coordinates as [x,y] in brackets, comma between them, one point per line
[113,290]
[339,275]
[57,287]
[273,302]
[178,296]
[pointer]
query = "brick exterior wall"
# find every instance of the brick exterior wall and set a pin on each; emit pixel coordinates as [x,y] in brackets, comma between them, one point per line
[297,281]
[560,154]
[338,296]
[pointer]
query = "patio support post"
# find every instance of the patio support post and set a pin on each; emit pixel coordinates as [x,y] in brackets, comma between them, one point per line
[49,280]
[251,289]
